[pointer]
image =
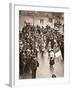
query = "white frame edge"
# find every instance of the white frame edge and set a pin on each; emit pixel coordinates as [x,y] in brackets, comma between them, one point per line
[12,42]
[11,46]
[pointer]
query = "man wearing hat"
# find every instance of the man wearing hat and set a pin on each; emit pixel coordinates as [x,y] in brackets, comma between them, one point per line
[34,65]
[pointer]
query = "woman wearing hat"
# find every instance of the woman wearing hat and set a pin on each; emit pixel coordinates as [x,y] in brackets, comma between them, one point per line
[52,56]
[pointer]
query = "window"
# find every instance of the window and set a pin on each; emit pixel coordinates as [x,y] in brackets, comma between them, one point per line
[41,21]
[50,20]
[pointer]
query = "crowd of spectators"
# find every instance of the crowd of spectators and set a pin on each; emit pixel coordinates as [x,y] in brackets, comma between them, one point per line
[34,40]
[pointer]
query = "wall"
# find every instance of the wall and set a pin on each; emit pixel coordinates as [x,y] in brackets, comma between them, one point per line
[36,21]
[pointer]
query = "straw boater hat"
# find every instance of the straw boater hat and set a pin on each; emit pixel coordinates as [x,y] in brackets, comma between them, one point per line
[51,50]
[28,50]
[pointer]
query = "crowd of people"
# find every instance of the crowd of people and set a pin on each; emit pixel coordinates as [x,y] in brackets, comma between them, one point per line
[35,39]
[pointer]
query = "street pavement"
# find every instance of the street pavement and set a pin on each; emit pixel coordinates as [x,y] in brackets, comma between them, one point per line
[44,70]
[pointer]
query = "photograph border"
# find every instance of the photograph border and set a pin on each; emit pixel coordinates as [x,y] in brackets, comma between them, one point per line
[14,51]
